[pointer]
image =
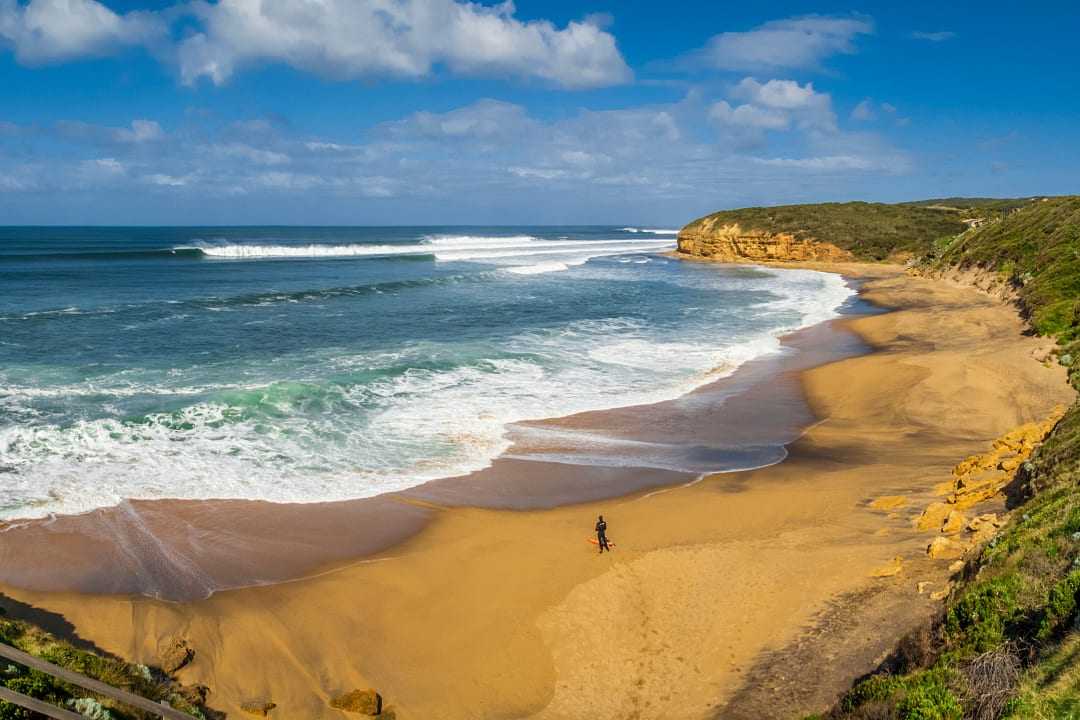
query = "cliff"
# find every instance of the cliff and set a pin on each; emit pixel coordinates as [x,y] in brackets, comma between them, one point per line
[731,243]
[823,232]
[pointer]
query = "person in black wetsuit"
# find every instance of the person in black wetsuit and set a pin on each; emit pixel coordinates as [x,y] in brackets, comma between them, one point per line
[601,534]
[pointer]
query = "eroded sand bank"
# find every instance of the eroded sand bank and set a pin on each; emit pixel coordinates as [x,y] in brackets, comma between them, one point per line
[744,595]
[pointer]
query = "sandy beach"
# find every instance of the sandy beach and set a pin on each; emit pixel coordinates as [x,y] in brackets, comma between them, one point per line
[745,595]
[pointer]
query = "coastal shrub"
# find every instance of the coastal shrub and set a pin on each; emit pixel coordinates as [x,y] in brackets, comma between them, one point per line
[1060,605]
[13,712]
[980,616]
[138,679]
[930,701]
[923,695]
[90,708]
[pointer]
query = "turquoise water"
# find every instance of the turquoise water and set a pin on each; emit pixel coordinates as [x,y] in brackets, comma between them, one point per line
[306,364]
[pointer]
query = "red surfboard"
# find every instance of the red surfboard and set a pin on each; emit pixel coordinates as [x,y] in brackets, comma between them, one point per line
[594,541]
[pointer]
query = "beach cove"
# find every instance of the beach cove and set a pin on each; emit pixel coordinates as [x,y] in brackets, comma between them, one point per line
[718,591]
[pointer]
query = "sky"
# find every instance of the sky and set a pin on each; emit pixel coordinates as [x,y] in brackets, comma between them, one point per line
[421,112]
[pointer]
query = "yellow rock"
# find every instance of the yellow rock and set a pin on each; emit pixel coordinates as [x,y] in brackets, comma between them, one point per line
[889,502]
[933,516]
[1010,463]
[923,585]
[944,488]
[954,522]
[956,566]
[968,464]
[944,548]
[892,568]
[983,521]
[940,594]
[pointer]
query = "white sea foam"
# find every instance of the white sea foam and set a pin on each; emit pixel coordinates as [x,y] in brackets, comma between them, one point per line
[445,247]
[296,442]
[649,230]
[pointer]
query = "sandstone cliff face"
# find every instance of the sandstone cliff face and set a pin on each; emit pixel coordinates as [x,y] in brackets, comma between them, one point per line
[731,243]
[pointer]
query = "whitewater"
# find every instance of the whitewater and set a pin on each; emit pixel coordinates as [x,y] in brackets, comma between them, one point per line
[314,364]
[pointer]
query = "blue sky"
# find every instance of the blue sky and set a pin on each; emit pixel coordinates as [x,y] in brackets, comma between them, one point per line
[440,111]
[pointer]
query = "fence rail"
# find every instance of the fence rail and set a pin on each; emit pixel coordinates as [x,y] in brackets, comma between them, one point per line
[38,706]
[159,709]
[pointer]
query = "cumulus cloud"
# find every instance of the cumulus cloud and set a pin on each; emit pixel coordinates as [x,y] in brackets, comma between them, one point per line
[44,31]
[340,39]
[800,104]
[407,38]
[938,36]
[792,43]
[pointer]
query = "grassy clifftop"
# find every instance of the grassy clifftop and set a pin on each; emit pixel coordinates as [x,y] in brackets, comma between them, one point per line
[1008,642]
[1036,249]
[869,231]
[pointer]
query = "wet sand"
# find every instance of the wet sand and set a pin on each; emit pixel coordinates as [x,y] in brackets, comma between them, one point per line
[743,595]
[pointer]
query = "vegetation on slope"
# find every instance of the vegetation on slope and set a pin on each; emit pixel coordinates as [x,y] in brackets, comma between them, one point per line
[1037,250]
[137,679]
[1008,642]
[870,231]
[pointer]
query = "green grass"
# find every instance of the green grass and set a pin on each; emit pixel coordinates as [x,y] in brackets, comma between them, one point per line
[137,679]
[870,231]
[1020,602]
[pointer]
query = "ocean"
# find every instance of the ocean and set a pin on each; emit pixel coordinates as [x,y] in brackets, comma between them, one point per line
[303,364]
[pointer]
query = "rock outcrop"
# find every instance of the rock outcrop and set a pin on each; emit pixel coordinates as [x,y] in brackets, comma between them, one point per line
[365,702]
[976,479]
[731,243]
[258,708]
[174,653]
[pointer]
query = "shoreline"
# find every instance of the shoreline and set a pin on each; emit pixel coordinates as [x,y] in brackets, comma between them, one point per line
[156,547]
[495,613]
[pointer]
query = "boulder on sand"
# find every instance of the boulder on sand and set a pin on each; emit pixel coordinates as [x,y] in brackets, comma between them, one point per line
[944,548]
[954,522]
[365,702]
[174,653]
[259,708]
[933,516]
[889,502]
[892,568]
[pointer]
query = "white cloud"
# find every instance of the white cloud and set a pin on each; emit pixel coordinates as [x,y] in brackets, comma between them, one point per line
[804,106]
[140,131]
[44,31]
[407,38]
[487,154]
[793,43]
[166,180]
[863,111]
[255,155]
[482,119]
[750,116]
[938,36]
[828,163]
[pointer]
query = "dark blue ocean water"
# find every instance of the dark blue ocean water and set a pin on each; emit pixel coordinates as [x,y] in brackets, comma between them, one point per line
[302,364]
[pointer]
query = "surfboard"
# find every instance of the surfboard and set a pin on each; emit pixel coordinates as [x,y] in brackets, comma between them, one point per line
[594,541]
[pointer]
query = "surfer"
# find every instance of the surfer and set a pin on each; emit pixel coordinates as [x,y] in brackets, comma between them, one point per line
[601,534]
